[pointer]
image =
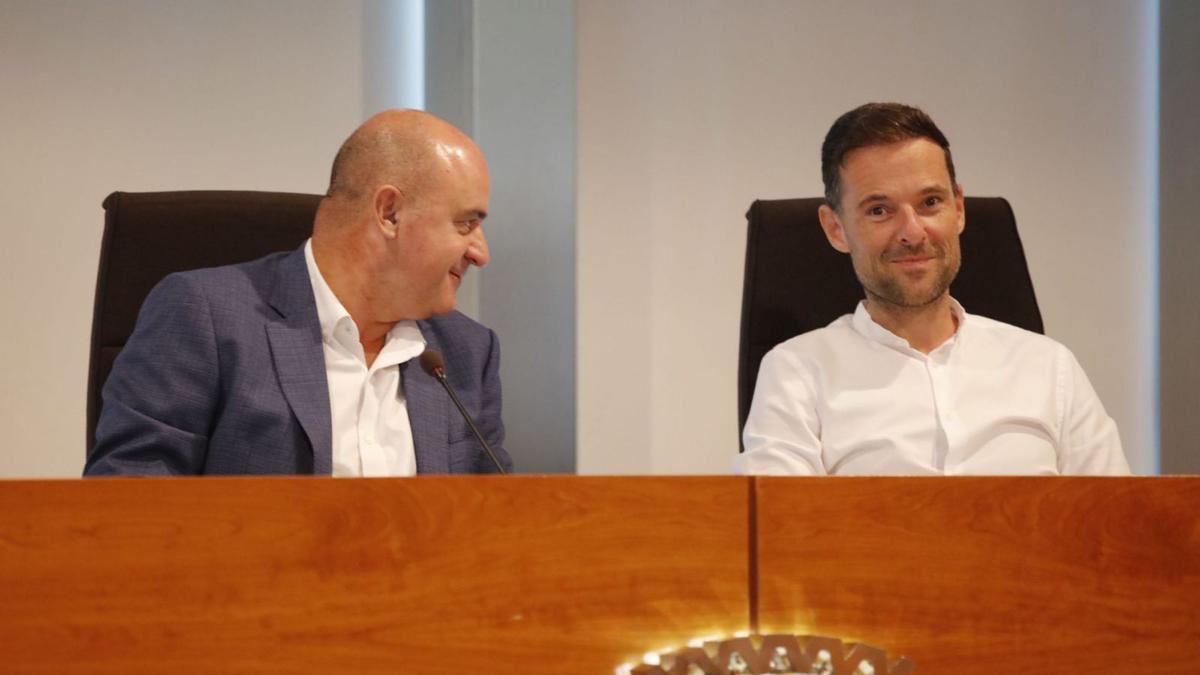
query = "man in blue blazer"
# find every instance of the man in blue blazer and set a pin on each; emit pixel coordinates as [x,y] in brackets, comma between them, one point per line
[304,361]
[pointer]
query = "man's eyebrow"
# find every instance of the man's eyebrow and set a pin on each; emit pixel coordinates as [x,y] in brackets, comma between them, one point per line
[935,189]
[474,214]
[876,197]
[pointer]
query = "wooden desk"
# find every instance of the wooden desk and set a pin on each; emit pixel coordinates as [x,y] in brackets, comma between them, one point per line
[315,575]
[988,575]
[568,575]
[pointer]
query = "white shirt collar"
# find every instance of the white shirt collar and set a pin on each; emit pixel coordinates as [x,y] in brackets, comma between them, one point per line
[868,328]
[330,311]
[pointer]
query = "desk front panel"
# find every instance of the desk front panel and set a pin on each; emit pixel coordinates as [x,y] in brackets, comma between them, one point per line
[317,575]
[988,576]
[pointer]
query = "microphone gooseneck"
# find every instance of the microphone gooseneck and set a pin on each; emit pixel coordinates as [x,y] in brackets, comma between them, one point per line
[434,366]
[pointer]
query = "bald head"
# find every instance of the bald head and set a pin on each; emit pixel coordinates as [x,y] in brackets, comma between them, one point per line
[409,149]
[401,222]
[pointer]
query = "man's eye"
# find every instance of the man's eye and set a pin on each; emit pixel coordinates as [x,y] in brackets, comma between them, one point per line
[466,226]
[933,201]
[876,211]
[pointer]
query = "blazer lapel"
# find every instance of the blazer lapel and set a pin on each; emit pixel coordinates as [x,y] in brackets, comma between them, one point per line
[299,357]
[428,409]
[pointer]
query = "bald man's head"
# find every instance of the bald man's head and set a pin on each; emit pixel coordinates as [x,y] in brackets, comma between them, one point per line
[404,148]
[401,222]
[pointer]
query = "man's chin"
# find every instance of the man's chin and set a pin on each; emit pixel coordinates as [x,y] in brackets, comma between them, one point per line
[435,310]
[902,291]
[910,298]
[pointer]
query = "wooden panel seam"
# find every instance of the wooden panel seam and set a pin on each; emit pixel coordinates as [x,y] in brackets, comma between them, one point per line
[752,554]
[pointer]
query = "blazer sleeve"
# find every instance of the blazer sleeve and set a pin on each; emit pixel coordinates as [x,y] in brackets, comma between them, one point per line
[490,423]
[163,391]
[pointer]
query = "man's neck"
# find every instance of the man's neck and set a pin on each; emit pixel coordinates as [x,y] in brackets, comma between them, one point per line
[925,327]
[344,280]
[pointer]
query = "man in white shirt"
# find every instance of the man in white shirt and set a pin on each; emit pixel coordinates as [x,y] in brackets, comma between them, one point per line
[911,384]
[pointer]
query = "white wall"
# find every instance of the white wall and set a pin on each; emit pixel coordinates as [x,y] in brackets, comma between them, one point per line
[689,110]
[686,112]
[125,95]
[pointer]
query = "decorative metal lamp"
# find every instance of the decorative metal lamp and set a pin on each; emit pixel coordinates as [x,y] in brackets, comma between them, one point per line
[777,654]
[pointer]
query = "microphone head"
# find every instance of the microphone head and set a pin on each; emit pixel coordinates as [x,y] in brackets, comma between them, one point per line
[432,363]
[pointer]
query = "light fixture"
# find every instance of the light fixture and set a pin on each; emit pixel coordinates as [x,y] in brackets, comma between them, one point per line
[778,654]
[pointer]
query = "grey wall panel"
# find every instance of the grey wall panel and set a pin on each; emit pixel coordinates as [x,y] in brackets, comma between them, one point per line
[525,122]
[1179,236]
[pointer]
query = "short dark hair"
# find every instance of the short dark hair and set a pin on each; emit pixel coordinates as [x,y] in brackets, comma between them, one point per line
[874,124]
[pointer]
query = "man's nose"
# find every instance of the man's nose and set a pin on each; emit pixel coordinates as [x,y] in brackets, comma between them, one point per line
[912,230]
[477,248]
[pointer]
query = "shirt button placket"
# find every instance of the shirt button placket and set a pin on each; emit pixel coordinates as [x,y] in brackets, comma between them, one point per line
[368,448]
[949,415]
[941,404]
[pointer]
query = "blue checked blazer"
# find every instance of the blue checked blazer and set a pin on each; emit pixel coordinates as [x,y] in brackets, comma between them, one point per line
[225,374]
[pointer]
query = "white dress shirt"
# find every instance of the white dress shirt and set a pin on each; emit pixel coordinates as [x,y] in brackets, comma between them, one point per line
[371,432]
[854,398]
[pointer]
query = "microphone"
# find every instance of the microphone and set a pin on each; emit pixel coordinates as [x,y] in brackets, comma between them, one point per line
[435,367]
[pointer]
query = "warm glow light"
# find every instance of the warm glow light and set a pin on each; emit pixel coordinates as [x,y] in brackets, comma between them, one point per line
[816,648]
[699,642]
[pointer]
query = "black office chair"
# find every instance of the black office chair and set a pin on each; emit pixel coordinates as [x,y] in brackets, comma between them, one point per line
[149,235]
[796,282]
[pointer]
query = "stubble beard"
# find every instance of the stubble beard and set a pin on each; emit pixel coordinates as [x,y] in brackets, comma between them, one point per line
[887,286]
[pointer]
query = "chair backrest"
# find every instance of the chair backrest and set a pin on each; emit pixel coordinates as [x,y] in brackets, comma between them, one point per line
[796,282]
[149,235]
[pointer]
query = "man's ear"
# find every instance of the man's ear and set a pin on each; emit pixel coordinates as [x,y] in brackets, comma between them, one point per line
[832,224]
[960,206]
[386,209]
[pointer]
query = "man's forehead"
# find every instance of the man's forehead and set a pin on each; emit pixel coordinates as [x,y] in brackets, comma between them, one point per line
[916,163]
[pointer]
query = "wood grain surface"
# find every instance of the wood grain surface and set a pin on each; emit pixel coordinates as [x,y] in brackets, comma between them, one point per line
[986,576]
[314,575]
